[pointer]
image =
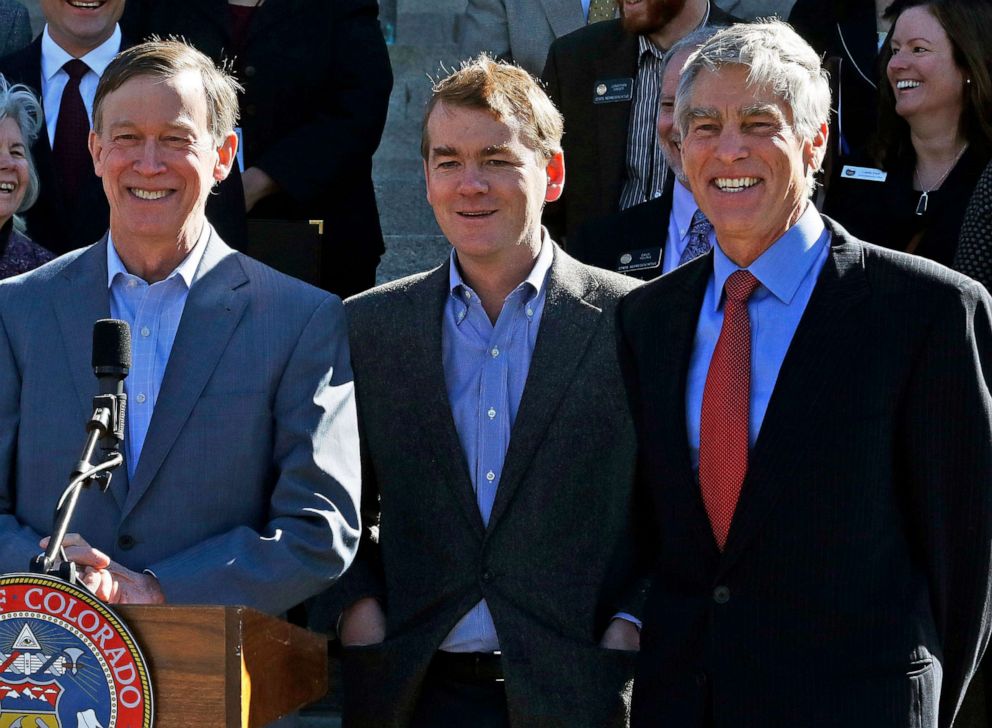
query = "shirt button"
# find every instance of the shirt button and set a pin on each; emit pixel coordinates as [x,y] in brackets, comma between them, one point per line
[491,413]
[461,315]
[468,295]
[494,352]
[490,476]
[145,331]
[721,595]
[140,398]
[530,311]
[131,283]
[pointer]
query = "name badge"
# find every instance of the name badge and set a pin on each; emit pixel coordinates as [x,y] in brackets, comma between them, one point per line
[639,260]
[612,90]
[869,174]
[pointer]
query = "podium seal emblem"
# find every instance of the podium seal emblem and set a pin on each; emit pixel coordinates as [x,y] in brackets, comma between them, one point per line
[66,660]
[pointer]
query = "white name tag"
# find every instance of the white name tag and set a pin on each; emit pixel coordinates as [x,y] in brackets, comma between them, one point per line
[866,173]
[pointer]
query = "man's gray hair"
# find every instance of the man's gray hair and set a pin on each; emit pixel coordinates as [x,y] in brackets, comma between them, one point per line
[19,103]
[692,41]
[778,59]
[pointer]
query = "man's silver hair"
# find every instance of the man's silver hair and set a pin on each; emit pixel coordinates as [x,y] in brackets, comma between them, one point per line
[695,39]
[777,59]
[19,103]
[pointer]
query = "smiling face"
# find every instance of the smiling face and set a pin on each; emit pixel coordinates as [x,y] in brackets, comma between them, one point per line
[922,72]
[744,163]
[487,186]
[157,159]
[13,169]
[79,26]
[647,16]
[668,133]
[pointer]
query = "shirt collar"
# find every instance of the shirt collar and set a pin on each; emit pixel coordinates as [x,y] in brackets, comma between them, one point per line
[683,207]
[185,270]
[783,267]
[535,280]
[53,56]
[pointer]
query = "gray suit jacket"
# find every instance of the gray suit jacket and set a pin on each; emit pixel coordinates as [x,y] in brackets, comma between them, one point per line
[554,562]
[248,483]
[518,30]
[15,27]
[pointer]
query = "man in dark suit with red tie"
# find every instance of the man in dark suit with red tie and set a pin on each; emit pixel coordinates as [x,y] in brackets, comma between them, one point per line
[815,435]
[63,66]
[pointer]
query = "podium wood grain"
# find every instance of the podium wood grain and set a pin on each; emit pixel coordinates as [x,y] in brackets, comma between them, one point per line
[226,666]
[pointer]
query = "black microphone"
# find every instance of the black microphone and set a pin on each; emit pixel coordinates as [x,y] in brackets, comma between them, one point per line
[111,363]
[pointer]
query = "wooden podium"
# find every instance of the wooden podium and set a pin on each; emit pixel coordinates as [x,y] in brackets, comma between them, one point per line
[229,667]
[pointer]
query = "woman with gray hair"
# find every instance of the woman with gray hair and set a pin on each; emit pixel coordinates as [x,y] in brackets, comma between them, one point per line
[20,121]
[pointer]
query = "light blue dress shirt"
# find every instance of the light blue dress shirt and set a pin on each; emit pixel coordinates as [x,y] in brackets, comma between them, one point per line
[585,9]
[683,208]
[788,272]
[485,368]
[153,313]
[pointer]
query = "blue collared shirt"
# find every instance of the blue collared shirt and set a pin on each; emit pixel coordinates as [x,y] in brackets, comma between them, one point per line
[787,272]
[485,368]
[153,313]
[683,208]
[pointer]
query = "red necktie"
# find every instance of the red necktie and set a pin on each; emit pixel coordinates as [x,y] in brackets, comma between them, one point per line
[723,426]
[70,148]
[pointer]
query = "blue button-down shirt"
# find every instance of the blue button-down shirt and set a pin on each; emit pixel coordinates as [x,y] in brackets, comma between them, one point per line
[679,220]
[153,313]
[787,271]
[485,367]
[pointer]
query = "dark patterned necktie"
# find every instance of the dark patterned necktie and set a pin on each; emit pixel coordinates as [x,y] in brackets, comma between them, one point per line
[723,425]
[70,148]
[601,10]
[699,238]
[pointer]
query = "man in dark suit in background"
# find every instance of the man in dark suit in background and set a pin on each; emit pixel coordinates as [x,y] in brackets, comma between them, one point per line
[63,66]
[316,80]
[497,538]
[659,235]
[605,79]
[813,416]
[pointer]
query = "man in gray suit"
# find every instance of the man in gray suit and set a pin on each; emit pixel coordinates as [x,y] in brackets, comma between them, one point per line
[498,446]
[15,27]
[241,478]
[520,31]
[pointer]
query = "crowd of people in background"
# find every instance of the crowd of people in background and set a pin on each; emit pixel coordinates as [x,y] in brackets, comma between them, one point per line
[567,514]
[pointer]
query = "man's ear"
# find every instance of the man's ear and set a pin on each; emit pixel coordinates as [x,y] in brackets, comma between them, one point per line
[96,151]
[556,177]
[227,155]
[816,148]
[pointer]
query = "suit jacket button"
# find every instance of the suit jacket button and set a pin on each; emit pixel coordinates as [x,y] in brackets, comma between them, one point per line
[701,678]
[487,576]
[721,595]
[125,542]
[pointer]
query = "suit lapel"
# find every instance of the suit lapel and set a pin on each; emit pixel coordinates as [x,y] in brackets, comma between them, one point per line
[83,301]
[567,325]
[425,377]
[563,15]
[216,303]
[818,346]
[669,349]
[612,120]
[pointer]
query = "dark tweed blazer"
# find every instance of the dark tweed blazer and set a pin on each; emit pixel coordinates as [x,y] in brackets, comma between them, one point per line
[555,562]
[854,586]
[15,27]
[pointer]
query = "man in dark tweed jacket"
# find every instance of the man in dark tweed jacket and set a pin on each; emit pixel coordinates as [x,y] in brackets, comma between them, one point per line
[494,584]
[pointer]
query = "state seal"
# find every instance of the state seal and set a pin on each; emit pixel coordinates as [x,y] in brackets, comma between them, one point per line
[66,660]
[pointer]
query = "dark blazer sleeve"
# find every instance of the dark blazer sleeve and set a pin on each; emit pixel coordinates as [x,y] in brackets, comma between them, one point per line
[947,435]
[311,159]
